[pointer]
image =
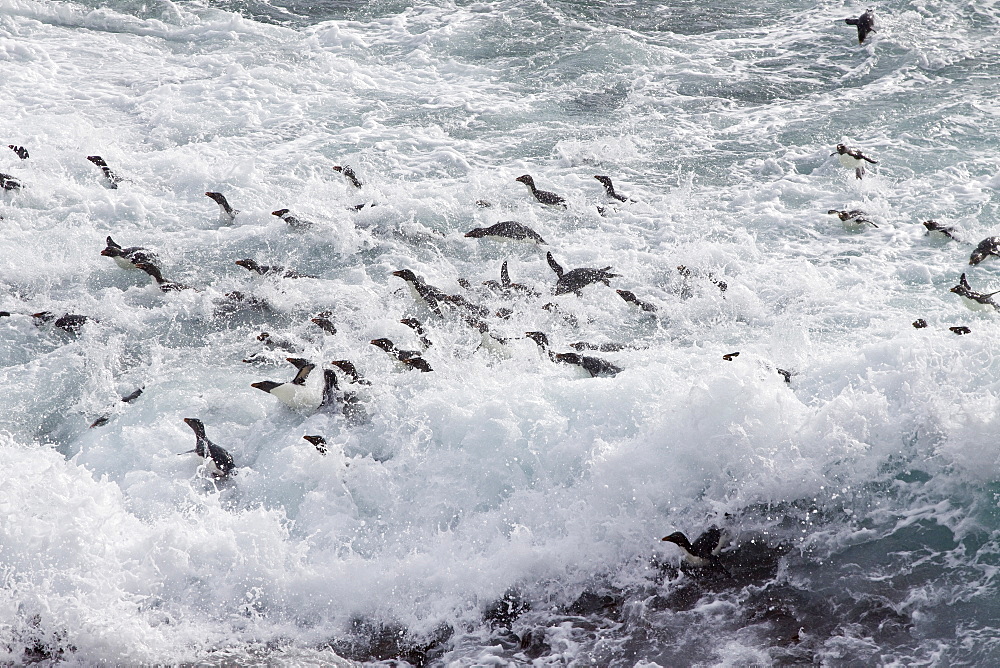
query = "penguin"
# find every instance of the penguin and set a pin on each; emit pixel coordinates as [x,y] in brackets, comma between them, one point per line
[506,286]
[609,189]
[976,301]
[349,174]
[126,258]
[253,267]
[324,323]
[570,319]
[865,24]
[294,222]
[595,366]
[490,342]
[235,301]
[919,323]
[271,343]
[610,347]
[577,279]
[296,394]
[8,182]
[987,248]
[935,228]
[705,550]
[729,357]
[71,323]
[218,462]
[688,272]
[410,359]
[21,152]
[417,327]
[853,220]
[127,399]
[162,283]
[543,196]
[960,330]
[508,230]
[111,180]
[351,371]
[853,158]
[227,214]
[432,297]
[630,297]
[317,441]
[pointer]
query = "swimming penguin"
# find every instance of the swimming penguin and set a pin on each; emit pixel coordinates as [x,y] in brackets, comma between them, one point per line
[632,299]
[853,158]
[976,301]
[490,342]
[432,297]
[111,180]
[324,323]
[705,551]
[270,342]
[595,366]
[410,359]
[609,347]
[961,329]
[935,228]
[919,323]
[294,222]
[297,394]
[987,248]
[127,399]
[508,230]
[21,152]
[865,24]
[162,283]
[543,196]
[729,357]
[418,327]
[127,258]
[351,371]
[227,214]
[507,286]
[349,174]
[577,279]
[609,189]
[252,266]
[71,323]
[8,182]
[688,272]
[853,220]
[317,441]
[218,462]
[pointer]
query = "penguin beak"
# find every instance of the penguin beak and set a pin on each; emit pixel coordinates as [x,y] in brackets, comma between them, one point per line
[188,452]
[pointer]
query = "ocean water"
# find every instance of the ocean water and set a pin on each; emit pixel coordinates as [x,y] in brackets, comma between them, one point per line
[501,510]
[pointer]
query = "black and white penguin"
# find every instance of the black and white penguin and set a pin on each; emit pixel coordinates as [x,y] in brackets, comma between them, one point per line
[705,550]
[351,371]
[410,359]
[577,279]
[323,322]
[595,366]
[976,301]
[218,462]
[433,298]
[935,228]
[318,441]
[127,258]
[71,323]
[688,272]
[853,220]
[418,327]
[21,152]
[609,189]
[609,347]
[111,180]
[508,230]
[227,214]
[8,182]
[630,297]
[543,196]
[987,248]
[349,174]
[270,270]
[297,394]
[162,283]
[127,399]
[960,329]
[853,158]
[489,341]
[865,24]
[294,222]
[507,286]
[270,342]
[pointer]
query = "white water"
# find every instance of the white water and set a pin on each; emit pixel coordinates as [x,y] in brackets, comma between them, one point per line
[876,466]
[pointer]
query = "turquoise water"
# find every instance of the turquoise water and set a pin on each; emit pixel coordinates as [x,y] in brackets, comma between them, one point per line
[861,496]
